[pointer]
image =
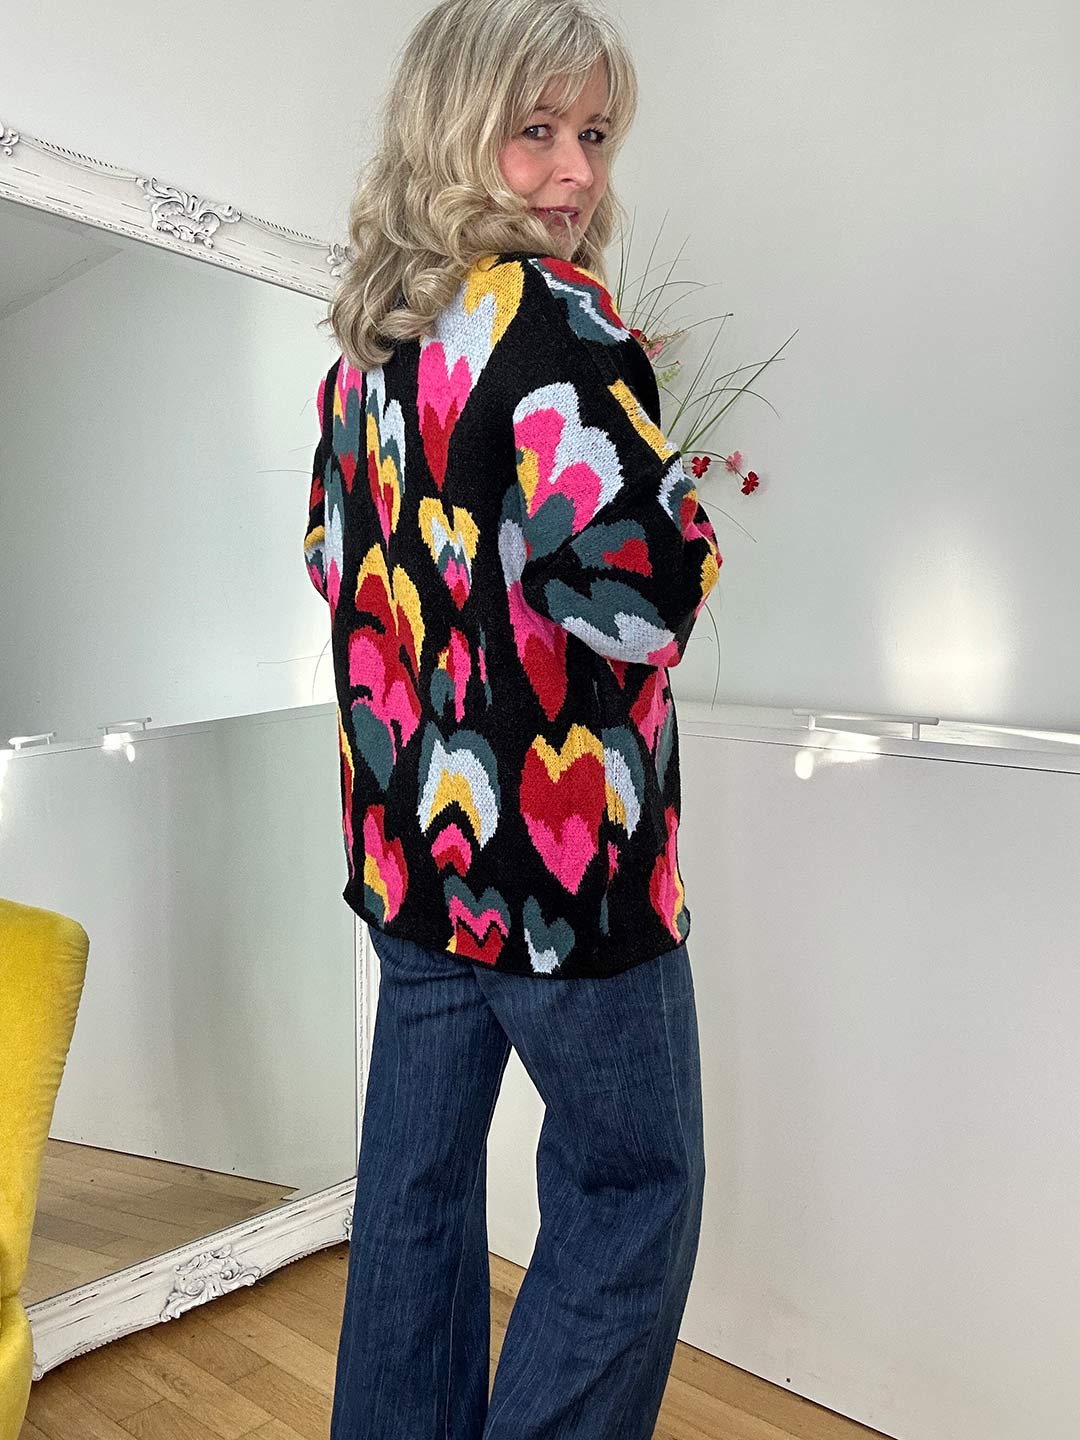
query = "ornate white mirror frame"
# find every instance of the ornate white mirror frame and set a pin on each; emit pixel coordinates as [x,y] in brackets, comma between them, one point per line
[37,173]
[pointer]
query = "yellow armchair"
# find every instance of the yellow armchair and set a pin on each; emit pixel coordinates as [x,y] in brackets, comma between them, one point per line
[42,967]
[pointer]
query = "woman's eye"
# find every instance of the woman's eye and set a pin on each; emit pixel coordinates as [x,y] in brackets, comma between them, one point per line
[601,134]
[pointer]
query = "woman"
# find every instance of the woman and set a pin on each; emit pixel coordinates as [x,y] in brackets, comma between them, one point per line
[513,556]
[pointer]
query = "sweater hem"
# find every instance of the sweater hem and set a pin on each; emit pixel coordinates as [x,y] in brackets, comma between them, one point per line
[593,970]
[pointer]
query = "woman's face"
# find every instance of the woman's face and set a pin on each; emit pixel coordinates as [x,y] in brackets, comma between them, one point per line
[559,161]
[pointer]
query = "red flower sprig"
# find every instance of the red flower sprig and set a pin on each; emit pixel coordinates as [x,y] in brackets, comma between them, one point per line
[700,463]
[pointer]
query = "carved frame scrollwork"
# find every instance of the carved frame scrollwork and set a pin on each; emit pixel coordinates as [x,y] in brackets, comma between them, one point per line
[36,172]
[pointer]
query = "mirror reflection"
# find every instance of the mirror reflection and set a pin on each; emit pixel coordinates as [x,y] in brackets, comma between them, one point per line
[157,424]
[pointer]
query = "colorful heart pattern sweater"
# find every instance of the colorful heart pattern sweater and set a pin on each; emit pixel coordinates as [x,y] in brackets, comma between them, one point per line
[514,556]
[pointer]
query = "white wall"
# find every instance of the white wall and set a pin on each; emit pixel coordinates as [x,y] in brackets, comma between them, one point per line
[897,182]
[158,423]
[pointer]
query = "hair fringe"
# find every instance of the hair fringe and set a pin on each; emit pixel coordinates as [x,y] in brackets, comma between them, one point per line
[432,199]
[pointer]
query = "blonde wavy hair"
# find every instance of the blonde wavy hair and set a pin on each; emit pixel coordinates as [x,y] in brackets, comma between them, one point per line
[432,199]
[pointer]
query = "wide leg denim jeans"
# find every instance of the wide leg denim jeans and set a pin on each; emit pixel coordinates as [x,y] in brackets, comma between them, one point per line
[620,1172]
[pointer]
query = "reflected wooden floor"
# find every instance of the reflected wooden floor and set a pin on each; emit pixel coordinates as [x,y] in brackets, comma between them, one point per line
[259,1364]
[100,1211]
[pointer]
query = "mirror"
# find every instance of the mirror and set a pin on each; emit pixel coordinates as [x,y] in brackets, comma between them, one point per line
[157,429]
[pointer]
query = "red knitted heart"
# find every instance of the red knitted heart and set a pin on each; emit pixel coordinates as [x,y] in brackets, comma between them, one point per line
[562,802]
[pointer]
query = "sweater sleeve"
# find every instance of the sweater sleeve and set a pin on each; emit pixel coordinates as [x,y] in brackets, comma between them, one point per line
[315,534]
[618,550]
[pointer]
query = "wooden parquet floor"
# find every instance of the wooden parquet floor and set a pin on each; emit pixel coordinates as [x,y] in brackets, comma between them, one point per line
[258,1364]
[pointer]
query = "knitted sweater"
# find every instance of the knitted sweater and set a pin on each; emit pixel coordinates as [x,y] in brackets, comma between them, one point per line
[513,556]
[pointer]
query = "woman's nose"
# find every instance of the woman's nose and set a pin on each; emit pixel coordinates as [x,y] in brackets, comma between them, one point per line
[572,163]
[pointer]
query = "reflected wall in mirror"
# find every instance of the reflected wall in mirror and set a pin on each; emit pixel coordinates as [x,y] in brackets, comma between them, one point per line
[157,429]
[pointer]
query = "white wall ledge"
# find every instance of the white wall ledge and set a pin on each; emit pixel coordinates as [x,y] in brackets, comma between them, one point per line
[953,740]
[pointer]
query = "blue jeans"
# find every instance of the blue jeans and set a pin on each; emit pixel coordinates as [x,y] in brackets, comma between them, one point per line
[620,1172]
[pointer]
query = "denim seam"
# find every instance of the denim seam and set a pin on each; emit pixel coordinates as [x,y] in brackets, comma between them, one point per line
[494,1415]
[461,1261]
[686,1196]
